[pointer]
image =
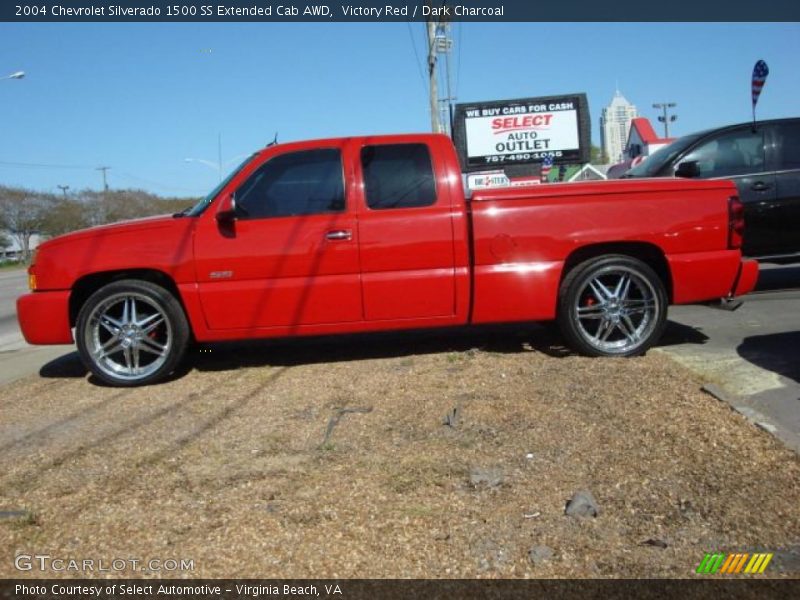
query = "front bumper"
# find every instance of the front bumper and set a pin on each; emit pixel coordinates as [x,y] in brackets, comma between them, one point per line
[44,317]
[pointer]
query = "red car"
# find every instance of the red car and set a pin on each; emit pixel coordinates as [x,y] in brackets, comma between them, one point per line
[374,234]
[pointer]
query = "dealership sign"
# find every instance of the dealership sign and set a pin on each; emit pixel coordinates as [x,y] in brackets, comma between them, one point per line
[504,133]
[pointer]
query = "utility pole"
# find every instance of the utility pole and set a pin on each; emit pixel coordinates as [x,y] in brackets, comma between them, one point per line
[64,189]
[436,126]
[666,118]
[444,45]
[105,181]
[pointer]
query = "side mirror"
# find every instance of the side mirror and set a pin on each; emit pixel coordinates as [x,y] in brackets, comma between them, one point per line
[226,214]
[688,169]
[226,217]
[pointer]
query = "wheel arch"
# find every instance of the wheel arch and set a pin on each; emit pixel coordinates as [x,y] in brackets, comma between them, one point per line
[648,253]
[89,284]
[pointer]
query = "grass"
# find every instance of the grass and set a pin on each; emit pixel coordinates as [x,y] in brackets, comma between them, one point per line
[227,466]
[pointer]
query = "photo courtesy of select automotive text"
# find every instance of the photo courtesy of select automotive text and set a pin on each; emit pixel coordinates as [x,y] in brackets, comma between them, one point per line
[476,299]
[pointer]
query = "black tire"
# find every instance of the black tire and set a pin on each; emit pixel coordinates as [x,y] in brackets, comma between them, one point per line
[629,320]
[131,333]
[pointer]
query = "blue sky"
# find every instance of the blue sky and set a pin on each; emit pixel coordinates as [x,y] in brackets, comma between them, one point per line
[141,98]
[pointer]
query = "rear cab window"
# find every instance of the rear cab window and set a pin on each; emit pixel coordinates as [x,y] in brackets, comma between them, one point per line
[398,176]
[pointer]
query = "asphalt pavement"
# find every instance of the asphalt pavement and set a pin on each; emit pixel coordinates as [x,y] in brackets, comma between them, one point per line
[17,358]
[751,354]
[13,283]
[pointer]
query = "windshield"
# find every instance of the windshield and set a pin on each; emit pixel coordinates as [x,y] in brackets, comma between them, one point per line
[656,161]
[201,206]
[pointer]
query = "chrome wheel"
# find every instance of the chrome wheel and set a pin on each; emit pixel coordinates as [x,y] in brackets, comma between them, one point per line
[128,336]
[616,310]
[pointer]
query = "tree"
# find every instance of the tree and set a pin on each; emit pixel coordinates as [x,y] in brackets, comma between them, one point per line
[64,215]
[598,156]
[22,214]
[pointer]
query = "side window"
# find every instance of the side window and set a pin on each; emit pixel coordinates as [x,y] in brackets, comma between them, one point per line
[733,153]
[296,183]
[398,176]
[789,144]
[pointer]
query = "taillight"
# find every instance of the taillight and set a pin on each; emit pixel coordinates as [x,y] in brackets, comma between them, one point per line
[735,222]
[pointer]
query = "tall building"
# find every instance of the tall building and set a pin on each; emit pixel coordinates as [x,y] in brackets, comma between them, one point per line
[615,123]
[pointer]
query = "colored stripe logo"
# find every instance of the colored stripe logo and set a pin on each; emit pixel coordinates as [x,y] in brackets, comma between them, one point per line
[731,564]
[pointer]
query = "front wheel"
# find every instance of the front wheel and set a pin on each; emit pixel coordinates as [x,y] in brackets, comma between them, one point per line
[612,306]
[131,332]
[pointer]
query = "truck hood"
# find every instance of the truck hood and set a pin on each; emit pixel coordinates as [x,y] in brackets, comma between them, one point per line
[141,224]
[162,243]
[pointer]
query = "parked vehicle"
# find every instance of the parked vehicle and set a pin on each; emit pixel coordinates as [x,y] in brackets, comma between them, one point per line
[375,234]
[763,161]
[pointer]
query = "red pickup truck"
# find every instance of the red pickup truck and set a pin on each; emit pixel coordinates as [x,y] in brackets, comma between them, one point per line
[375,233]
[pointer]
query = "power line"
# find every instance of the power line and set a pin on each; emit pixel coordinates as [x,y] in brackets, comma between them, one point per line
[42,165]
[131,177]
[124,175]
[416,59]
[458,63]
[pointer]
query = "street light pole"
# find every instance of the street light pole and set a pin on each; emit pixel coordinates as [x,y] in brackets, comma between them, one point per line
[666,118]
[219,165]
[64,189]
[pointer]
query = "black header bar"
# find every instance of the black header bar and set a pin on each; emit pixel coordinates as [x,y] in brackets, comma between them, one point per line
[371,11]
[388,589]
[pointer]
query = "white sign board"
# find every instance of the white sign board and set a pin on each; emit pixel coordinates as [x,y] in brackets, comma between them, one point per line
[538,135]
[503,133]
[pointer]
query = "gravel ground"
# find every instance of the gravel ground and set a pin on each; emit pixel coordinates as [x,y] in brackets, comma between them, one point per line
[445,455]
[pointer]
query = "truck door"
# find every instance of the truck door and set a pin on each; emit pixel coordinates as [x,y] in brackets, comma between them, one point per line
[785,215]
[290,256]
[739,155]
[406,233]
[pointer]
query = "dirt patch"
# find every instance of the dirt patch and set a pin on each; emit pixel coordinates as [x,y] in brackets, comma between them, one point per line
[440,463]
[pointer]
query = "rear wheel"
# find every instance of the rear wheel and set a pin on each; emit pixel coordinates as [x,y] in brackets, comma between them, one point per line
[131,332]
[612,306]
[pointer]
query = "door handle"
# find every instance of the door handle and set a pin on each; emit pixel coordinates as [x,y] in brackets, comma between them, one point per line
[339,235]
[760,186]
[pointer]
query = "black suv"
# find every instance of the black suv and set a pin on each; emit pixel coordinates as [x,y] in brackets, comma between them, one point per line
[763,161]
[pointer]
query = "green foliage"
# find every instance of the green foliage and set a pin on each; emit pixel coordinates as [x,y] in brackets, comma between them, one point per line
[24,213]
[597,156]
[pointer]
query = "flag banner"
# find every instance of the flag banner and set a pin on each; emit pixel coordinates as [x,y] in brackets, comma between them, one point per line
[547,164]
[760,72]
